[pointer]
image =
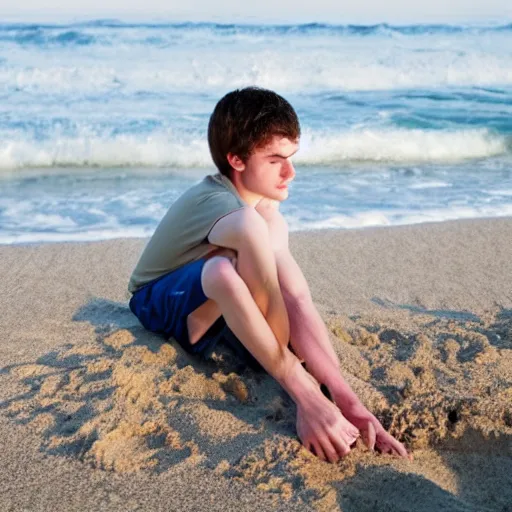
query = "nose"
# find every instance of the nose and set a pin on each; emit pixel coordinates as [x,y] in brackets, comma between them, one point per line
[290,170]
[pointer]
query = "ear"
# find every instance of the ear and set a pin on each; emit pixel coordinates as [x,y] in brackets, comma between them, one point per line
[236,163]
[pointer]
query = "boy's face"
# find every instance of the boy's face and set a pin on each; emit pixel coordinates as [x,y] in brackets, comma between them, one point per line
[267,172]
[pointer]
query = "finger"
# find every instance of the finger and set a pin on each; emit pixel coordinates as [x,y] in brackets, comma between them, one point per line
[369,436]
[342,449]
[400,450]
[386,450]
[330,451]
[383,446]
[390,445]
[317,450]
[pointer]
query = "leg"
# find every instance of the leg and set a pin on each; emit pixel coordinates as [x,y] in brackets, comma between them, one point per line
[320,424]
[255,263]
[225,286]
[257,266]
[309,340]
[249,297]
[202,318]
[246,232]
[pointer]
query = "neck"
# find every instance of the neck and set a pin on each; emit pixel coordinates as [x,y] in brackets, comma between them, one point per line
[249,197]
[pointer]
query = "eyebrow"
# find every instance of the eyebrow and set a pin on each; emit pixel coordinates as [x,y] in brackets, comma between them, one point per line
[277,155]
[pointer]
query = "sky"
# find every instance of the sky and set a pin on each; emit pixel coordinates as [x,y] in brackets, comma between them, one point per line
[284,11]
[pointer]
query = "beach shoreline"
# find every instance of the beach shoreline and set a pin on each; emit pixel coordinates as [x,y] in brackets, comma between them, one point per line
[96,413]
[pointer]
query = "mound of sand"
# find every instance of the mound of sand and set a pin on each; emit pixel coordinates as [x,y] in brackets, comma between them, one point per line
[129,402]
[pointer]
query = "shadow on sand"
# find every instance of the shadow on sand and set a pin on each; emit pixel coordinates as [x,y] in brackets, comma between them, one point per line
[129,400]
[478,490]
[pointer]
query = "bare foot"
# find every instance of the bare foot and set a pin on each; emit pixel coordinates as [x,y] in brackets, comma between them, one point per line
[324,430]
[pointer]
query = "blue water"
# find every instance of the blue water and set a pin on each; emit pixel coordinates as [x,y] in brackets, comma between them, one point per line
[103,123]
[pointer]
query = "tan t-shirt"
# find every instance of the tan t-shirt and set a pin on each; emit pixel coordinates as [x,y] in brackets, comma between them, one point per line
[181,236]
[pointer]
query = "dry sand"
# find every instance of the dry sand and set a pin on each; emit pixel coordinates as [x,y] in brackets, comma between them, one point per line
[98,414]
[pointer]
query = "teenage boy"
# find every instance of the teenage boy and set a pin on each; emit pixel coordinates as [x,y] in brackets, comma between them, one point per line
[218,267]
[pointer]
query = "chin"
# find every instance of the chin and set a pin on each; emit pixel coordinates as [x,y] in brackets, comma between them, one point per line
[277,197]
[281,195]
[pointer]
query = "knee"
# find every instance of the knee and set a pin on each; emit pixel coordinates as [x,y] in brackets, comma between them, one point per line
[254,229]
[219,276]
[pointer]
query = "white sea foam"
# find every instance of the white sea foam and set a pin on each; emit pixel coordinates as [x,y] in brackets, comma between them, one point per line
[159,150]
[379,218]
[429,184]
[499,193]
[353,221]
[200,59]
[210,70]
[399,146]
[84,236]
[165,149]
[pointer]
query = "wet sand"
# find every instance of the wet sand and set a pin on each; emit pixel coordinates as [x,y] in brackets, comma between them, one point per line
[98,414]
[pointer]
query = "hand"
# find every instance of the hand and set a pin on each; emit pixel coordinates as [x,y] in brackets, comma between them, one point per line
[373,433]
[323,429]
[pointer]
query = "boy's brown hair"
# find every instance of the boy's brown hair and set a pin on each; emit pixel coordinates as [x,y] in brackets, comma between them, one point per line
[246,119]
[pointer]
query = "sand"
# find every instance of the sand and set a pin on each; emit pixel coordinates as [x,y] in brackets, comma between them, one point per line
[98,414]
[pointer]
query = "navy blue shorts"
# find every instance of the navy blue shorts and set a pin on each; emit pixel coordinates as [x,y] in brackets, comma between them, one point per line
[162,307]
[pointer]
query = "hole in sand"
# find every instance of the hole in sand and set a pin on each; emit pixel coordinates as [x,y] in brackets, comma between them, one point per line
[453,416]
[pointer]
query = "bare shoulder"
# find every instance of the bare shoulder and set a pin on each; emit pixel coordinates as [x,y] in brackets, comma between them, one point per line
[229,230]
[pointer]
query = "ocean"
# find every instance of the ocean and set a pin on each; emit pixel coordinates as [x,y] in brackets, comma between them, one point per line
[103,123]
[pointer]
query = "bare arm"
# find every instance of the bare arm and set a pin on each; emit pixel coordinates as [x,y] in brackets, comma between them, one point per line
[310,340]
